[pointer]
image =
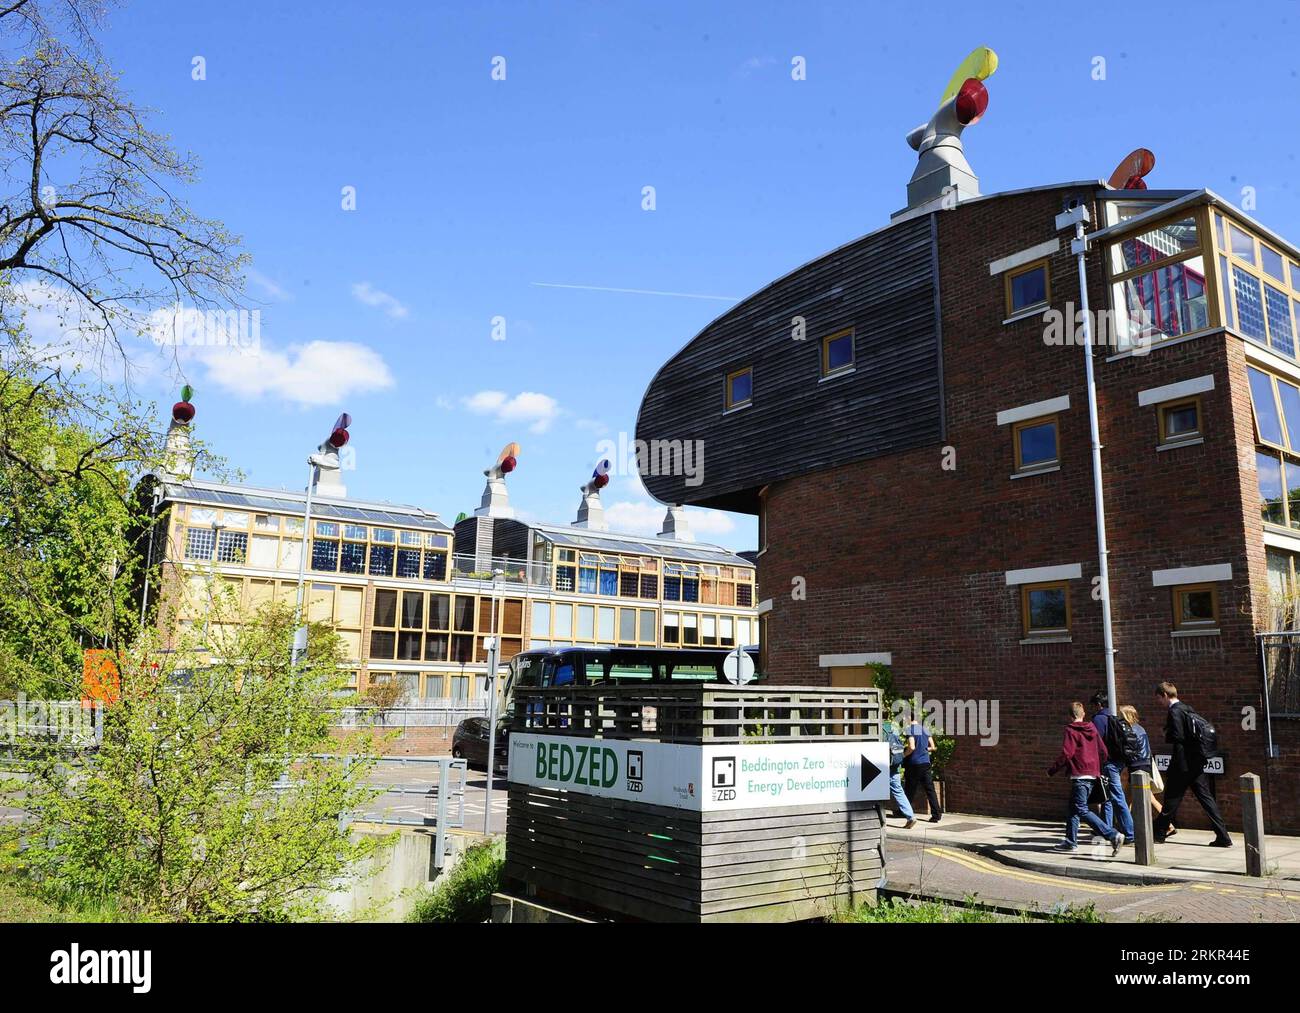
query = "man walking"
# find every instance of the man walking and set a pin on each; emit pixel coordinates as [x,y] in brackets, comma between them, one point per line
[916,767]
[896,752]
[1186,767]
[1083,753]
[1111,731]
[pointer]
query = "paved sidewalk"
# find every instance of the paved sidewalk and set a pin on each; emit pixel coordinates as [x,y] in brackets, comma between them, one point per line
[1028,844]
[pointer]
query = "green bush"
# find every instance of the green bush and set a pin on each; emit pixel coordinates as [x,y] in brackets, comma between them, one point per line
[465,893]
[898,910]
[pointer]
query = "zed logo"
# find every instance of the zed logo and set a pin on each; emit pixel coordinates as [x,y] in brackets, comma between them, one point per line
[724,778]
[635,769]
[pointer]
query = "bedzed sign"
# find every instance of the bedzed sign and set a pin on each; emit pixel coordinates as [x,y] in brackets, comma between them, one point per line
[697,802]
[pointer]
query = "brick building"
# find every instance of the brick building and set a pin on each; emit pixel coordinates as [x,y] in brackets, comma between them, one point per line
[908,417]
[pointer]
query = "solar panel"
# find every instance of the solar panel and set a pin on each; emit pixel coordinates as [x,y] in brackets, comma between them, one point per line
[270,504]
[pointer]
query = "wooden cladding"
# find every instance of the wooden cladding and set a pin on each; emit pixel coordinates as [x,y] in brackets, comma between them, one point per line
[656,863]
[882,290]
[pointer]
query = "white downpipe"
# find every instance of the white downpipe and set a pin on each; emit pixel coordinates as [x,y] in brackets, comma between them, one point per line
[1080,247]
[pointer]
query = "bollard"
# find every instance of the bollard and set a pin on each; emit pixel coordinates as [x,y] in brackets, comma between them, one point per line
[1144,841]
[1252,815]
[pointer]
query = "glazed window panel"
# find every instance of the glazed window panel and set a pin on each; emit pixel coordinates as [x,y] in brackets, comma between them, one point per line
[605,625]
[649,625]
[1179,421]
[463,613]
[232,547]
[627,626]
[1196,607]
[435,565]
[320,603]
[1268,418]
[541,624]
[381,561]
[1166,302]
[1268,468]
[1045,609]
[383,644]
[739,388]
[690,629]
[1250,304]
[412,610]
[1027,287]
[563,624]
[263,551]
[1241,244]
[199,543]
[290,553]
[745,595]
[1171,239]
[837,352]
[439,612]
[436,646]
[1277,308]
[672,635]
[409,647]
[649,585]
[1036,444]
[385,609]
[351,600]
[586,622]
[352,558]
[324,556]
[565,578]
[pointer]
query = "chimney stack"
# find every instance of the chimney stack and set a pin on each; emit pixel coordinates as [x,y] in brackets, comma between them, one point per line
[178,454]
[676,525]
[591,512]
[496,498]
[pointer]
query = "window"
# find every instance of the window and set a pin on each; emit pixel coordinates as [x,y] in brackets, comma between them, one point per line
[381,560]
[627,626]
[1045,609]
[232,547]
[435,565]
[837,352]
[541,625]
[352,559]
[1256,300]
[1196,608]
[199,543]
[740,388]
[1158,283]
[671,635]
[1180,421]
[1036,443]
[1027,287]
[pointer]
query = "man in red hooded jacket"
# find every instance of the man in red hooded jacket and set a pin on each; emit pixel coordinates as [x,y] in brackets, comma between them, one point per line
[1083,753]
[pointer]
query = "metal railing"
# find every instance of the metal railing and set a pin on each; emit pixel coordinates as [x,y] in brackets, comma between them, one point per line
[424,714]
[1280,654]
[468,566]
[700,714]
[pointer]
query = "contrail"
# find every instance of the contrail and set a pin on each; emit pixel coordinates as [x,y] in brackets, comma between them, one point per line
[637,291]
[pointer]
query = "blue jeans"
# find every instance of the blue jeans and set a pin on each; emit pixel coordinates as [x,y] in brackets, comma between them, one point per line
[898,795]
[1118,801]
[1079,792]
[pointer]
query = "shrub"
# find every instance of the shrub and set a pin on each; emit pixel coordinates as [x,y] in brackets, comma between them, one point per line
[465,893]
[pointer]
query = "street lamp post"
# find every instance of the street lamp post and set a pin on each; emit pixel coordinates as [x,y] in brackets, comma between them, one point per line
[1078,217]
[493,653]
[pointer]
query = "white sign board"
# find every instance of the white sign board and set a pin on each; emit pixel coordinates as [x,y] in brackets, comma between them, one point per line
[1213,764]
[704,778]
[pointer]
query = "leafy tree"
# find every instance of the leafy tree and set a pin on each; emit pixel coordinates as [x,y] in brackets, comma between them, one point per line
[203,801]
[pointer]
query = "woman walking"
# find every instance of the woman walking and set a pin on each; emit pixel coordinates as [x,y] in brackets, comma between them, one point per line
[1144,761]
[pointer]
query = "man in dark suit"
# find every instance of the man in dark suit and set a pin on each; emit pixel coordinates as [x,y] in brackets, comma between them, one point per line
[1186,769]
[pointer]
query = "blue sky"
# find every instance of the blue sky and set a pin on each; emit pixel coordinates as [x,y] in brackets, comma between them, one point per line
[473,195]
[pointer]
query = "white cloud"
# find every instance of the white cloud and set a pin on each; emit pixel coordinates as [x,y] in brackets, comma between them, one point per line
[366,293]
[642,517]
[535,410]
[319,372]
[270,288]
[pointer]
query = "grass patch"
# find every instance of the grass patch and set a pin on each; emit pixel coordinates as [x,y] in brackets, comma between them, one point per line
[465,893]
[21,902]
[897,910]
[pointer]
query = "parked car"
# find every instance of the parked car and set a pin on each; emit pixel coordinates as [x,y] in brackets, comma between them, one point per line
[470,742]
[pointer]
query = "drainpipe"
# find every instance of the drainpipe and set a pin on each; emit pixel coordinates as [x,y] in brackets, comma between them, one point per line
[1078,217]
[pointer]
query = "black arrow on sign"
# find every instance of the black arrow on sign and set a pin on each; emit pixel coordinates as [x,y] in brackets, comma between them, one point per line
[875,772]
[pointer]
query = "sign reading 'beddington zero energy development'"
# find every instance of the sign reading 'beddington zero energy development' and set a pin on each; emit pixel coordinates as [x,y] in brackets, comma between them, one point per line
[740,776]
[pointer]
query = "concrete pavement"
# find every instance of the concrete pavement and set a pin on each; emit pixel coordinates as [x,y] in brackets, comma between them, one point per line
[1029,844]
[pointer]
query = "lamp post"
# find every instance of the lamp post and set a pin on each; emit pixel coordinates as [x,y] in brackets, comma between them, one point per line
[1078,217]
[493,653]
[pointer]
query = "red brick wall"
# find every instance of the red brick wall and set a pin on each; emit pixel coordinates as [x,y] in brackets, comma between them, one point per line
[903,556]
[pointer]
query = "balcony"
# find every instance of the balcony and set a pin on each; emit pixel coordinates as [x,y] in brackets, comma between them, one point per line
[514,572]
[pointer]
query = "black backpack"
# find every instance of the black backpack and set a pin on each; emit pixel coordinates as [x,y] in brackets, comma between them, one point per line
[1122,743]
[1205,740]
